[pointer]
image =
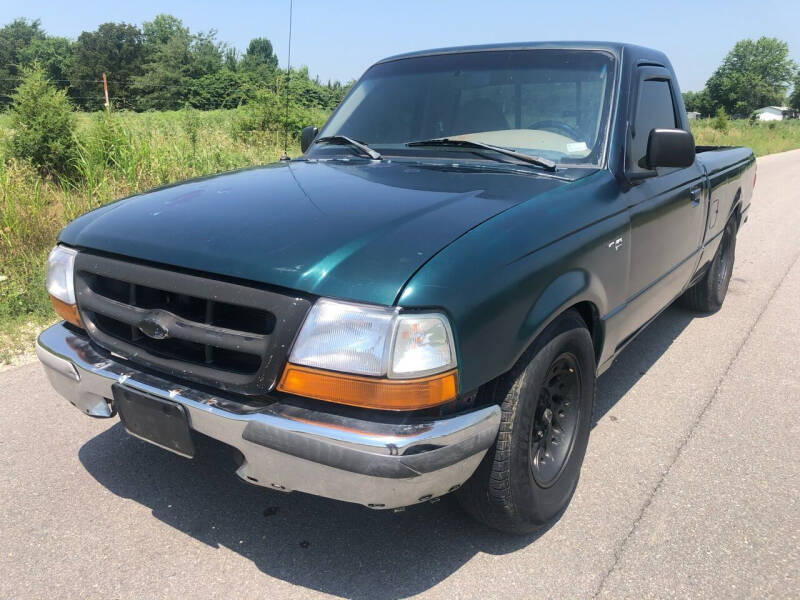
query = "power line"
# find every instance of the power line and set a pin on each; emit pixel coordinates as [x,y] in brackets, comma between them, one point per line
[99,82]
[110,81]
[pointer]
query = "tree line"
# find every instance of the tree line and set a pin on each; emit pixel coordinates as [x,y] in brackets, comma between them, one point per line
[754,74]
[161,65]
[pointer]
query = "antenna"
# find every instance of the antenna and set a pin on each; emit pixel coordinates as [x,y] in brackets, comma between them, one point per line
[286,92]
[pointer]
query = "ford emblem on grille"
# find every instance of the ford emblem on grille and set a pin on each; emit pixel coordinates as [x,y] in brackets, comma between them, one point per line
[153,327]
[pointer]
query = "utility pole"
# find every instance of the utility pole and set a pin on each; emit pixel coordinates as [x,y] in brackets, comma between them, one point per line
[105,90]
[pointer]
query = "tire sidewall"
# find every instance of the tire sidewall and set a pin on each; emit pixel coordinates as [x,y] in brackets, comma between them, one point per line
[727,246]
[533,502]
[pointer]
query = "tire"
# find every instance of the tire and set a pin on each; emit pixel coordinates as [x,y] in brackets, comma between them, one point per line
[512,490]
[708,294]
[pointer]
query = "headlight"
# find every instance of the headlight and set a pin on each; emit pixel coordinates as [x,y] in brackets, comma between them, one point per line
[60,270]
[423,344]
[382,358]
[60,283]
[373,341]
[345,337]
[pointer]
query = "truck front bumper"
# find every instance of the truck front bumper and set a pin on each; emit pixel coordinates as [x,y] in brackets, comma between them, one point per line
[286,447]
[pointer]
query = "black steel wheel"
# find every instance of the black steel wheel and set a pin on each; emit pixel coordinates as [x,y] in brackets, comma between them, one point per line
[555,422]
[708,294]
[724,267]
[527,478]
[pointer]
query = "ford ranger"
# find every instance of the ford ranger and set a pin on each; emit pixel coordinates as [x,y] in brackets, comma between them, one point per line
[420,303]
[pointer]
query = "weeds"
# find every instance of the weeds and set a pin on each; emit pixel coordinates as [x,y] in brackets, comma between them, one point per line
[763,137]
[116,155]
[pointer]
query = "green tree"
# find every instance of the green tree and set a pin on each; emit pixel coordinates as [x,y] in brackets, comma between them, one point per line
[42,121]
[305,91]
[206,54]
[175,59]
[164,81]
[54,54]
[266,113]
[162,29]
[754,74]
[116,49]
[690,101]
[14,38]
[699,102]
[312,93]
[231,59]
[223,89]
[260,62]
[260,52]
[794,99]
[336,92]
[720,122]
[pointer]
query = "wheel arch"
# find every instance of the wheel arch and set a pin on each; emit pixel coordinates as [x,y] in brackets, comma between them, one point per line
[591,316]
[736,209]
[583,303]
[576,290]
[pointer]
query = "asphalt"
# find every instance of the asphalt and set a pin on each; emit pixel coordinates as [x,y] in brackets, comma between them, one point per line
[690,487]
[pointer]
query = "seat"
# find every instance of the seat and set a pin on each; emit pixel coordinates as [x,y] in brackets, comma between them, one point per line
[480,114]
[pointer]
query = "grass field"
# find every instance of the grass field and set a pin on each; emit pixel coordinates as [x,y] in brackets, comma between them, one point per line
[763,138]
[130,152]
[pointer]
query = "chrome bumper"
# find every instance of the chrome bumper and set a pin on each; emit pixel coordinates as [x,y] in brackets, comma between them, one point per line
[289,448]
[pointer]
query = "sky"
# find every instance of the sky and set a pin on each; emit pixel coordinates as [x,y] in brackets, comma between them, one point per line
[339,39]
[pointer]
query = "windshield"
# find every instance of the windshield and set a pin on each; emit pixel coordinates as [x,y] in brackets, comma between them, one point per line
[548,103]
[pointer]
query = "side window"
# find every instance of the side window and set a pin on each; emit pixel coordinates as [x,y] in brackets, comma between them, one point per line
[654,110]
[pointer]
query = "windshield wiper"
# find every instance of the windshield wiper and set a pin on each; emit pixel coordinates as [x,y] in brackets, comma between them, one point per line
[547,165]
[343,139]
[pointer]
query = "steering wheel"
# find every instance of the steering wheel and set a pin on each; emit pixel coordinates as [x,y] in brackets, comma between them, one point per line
[558,127]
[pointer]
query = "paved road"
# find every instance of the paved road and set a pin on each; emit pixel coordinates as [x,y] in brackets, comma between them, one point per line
[691,485]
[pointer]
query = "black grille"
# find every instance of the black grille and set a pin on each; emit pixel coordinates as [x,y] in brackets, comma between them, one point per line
[224,334]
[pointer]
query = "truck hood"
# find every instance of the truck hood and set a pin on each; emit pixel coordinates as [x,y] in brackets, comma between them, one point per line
[347,229]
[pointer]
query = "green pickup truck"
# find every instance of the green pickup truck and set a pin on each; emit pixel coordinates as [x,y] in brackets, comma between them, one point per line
[420,303]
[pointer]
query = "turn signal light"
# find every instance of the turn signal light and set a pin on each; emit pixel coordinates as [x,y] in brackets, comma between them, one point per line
[369,392]
[68,312]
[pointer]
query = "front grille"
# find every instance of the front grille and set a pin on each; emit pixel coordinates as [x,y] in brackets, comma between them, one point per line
[223,334]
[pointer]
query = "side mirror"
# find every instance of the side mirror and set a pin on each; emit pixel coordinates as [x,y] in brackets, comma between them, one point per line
[670,148]
[307,136]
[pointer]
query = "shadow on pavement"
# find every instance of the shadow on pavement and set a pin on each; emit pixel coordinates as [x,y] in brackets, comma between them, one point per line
[329,546]
[333,547]
[639,356]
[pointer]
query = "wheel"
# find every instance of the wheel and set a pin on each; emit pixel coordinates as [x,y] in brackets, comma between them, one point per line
[527,478]
[708,294]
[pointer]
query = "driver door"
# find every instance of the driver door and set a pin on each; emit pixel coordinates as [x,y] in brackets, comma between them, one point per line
[667,211]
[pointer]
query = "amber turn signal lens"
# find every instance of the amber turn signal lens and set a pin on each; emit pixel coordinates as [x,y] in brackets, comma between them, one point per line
[68,312]
[368,392]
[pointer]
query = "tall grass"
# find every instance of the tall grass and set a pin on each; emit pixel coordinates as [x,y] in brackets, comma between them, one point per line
[766,137]
[118,154]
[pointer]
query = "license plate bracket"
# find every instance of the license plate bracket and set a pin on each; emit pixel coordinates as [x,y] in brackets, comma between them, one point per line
[155,420]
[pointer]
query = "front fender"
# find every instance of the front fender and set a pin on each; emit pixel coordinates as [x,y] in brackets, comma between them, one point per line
[502,283]
[575,287]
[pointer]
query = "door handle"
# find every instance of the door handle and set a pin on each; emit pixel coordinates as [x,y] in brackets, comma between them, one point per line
[695,194]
